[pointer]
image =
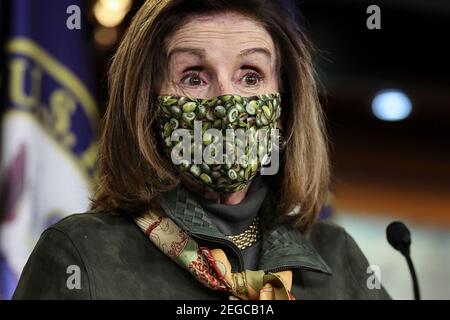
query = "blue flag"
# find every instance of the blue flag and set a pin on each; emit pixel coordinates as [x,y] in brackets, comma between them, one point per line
[48,123]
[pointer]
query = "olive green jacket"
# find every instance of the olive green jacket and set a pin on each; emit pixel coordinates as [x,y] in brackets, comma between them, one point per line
[106,256]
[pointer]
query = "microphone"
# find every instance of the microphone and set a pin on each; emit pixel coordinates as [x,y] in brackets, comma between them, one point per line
[399,237]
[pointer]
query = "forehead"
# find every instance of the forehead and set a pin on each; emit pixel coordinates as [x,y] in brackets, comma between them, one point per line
[218,33]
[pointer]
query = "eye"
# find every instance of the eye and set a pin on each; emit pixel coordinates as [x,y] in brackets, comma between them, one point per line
[252,78]
[192,79]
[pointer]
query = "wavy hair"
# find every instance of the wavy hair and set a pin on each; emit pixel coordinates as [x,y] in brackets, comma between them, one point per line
[133,171]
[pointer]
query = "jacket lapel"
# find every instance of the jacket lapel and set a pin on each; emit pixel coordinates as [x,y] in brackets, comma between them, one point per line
[284,246]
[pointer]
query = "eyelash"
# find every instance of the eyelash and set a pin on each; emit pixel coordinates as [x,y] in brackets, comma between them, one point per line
[258,76]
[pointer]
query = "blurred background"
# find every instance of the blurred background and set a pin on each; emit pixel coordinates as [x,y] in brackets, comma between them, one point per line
[385,92]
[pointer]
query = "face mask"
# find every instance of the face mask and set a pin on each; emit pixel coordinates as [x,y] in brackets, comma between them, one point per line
[221,143]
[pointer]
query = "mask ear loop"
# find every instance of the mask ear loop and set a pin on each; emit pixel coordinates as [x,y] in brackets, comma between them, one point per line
[282,142]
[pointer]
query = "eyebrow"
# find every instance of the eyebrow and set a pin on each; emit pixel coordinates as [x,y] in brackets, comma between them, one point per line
[201,52]
[264,51]
[194,51]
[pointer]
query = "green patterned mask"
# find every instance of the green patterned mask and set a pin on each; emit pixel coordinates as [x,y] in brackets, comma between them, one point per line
[225,141]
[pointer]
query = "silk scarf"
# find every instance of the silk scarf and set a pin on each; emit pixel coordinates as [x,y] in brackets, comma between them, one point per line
[210,266]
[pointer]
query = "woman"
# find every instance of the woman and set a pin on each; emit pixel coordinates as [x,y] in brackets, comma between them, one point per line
[170,223]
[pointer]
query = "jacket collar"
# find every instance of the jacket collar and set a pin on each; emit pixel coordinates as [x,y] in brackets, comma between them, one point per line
[283,246]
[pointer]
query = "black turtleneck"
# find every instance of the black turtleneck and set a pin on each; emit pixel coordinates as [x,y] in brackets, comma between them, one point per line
[234,219]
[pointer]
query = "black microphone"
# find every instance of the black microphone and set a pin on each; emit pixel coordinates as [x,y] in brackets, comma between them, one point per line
[399,237]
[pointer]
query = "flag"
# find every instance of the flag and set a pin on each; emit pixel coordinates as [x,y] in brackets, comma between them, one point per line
[48,125]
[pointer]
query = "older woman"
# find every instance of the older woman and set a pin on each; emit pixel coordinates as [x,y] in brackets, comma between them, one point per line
[186,211]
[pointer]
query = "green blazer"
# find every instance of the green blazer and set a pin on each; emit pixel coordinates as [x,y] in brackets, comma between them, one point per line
[111,258]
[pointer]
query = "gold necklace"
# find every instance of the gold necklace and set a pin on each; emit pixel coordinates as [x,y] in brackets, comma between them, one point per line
[248,237]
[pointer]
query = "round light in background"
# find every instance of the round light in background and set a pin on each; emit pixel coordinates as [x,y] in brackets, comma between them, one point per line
[391,105]
[117,5]
[110,13]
